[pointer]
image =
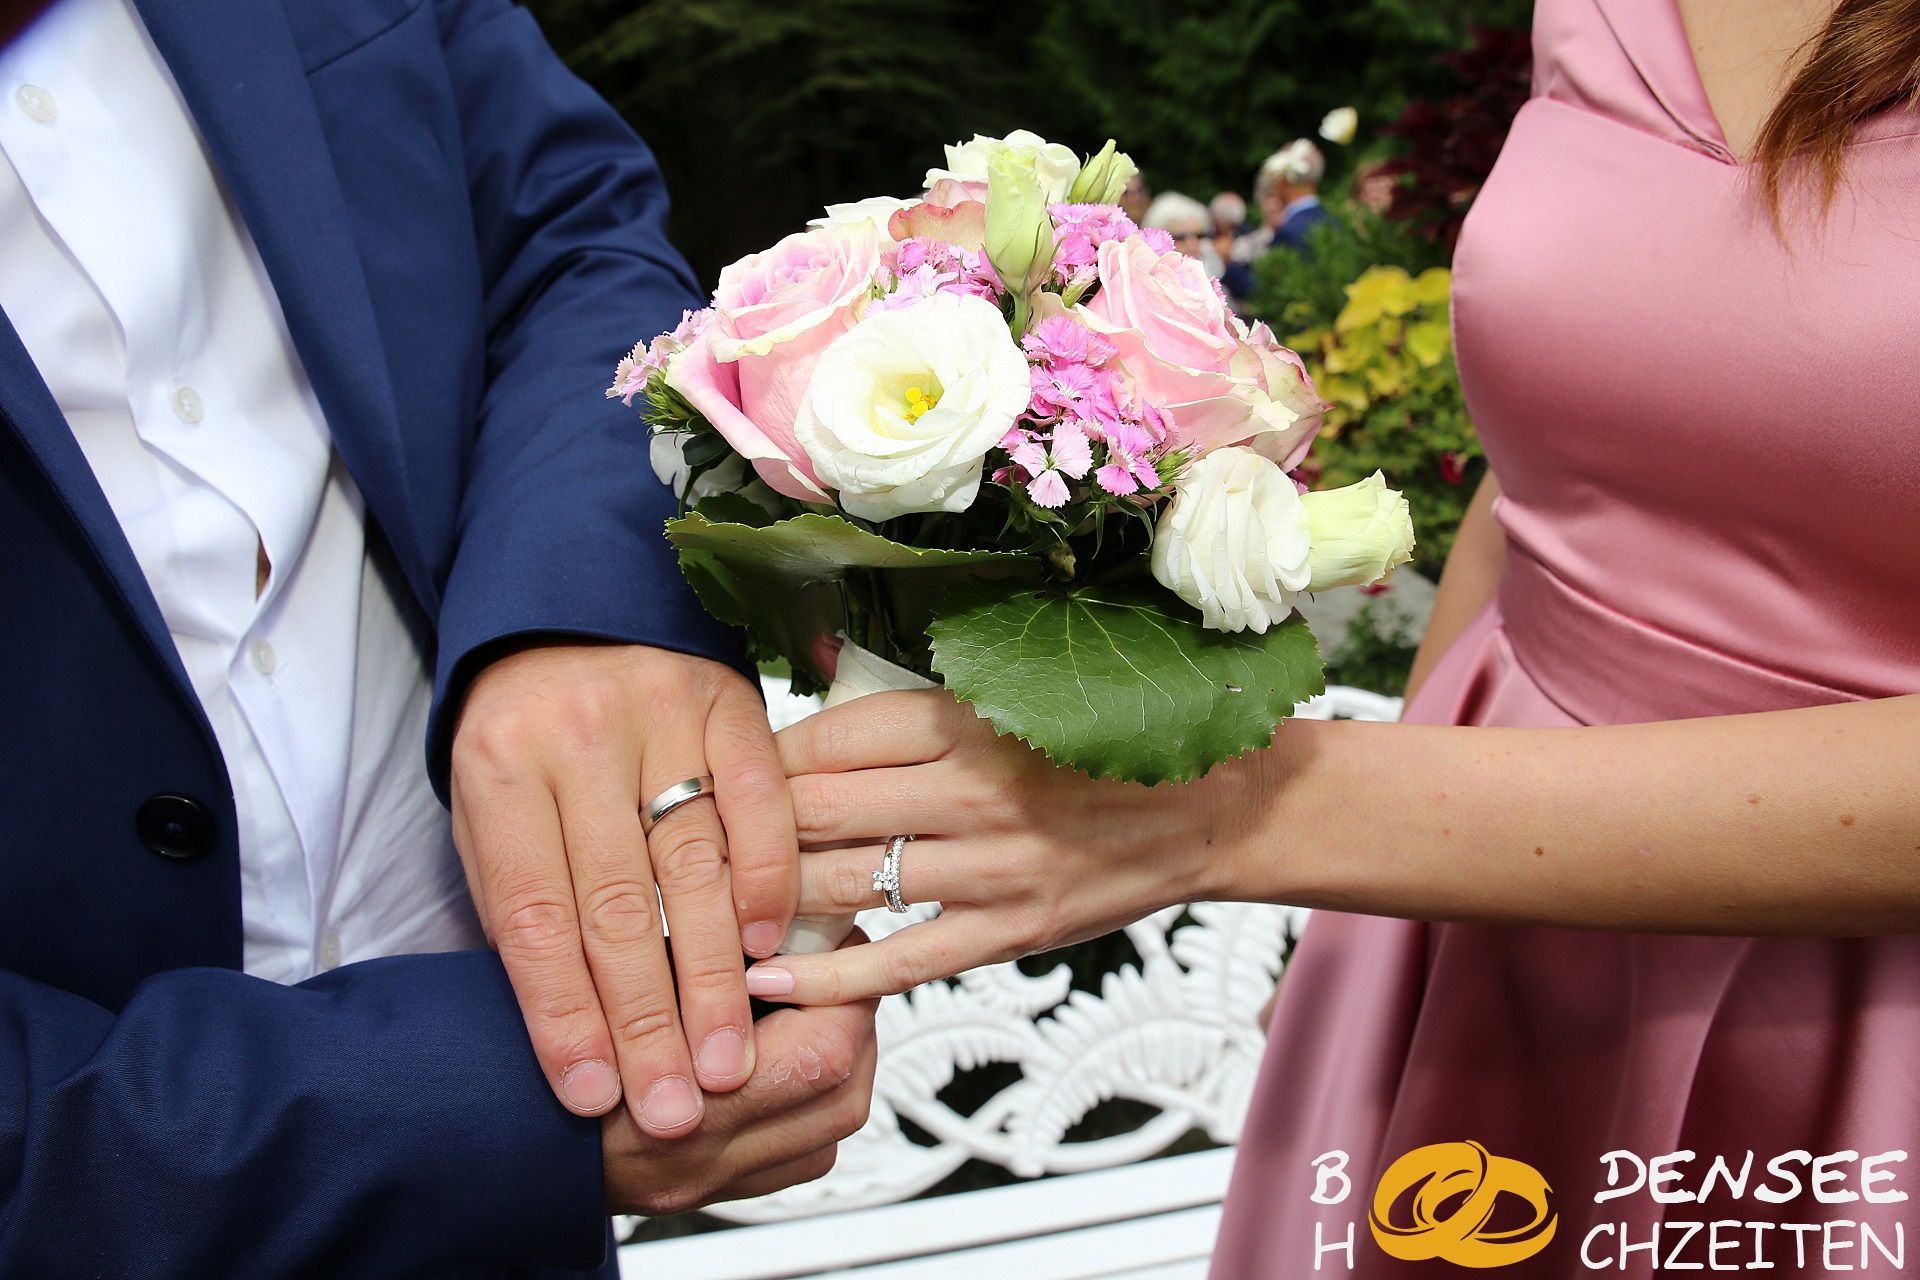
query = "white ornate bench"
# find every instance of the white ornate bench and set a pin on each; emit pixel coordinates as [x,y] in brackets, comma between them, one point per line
[1177,1032]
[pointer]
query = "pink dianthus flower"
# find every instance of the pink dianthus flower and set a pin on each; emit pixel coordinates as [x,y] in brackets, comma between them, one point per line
[636,369]
[1080,229]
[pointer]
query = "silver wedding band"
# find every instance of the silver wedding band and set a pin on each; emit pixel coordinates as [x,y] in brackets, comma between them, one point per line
[672,798]
[887,879]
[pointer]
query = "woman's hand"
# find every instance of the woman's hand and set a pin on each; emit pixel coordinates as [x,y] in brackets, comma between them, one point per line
[1022,855]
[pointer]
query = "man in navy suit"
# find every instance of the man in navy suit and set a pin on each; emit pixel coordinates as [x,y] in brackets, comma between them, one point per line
[1287,189]
[304,465]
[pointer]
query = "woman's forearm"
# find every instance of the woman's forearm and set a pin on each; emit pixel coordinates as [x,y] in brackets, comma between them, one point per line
[1797,822]
[1467,583]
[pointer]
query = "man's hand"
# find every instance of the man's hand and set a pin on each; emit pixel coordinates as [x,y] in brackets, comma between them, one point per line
[811,1090]
[556,750]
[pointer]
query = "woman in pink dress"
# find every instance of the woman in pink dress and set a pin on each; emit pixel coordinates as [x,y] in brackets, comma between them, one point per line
[1687,935]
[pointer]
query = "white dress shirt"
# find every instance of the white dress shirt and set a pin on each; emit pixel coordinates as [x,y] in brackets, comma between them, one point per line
[135,287]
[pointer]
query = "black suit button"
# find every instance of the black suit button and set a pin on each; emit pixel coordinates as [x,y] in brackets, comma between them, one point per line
[175,826]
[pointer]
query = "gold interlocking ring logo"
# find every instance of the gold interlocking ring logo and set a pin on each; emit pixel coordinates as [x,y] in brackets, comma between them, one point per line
[1438,1176]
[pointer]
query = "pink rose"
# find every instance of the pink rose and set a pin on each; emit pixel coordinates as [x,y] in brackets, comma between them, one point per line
[964,225]
[810,279]
[775,313]
[1286,405]
[1216,381]
[951,193]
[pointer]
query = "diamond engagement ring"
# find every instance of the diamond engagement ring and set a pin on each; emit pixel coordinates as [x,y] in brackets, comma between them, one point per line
[672,798]
[887,879]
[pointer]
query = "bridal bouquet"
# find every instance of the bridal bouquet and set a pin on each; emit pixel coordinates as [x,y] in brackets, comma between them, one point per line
[1003,438]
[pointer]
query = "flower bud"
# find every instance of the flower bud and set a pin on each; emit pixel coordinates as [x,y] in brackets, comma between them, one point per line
[1017,221]
[1360,533]
[1103,177]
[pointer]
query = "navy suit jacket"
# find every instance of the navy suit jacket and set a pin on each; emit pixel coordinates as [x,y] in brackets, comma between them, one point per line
[463,238]
[1292,232]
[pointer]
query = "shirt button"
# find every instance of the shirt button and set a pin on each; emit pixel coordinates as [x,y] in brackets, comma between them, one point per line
[37,102]
[263,659]
[187,406]
[330,950]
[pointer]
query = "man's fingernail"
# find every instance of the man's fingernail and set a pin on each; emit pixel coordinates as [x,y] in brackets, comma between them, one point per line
[765,981]
[761,937]
[723,1056]
[671,1105]
[590,1086]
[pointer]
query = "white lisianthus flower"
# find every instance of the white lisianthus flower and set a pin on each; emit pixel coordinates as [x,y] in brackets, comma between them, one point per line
[1339,124]
[1053,165]
[1234,543]
[875,212]
[1360,533]
[668,453]
[903,409]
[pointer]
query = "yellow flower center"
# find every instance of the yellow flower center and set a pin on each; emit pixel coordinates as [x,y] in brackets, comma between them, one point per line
[918,402]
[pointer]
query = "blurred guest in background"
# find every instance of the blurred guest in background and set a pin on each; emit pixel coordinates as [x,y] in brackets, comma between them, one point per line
[1189,223]
[1229,212]
[1288,192]
[1136,199]
[1287,189]
[1373,185]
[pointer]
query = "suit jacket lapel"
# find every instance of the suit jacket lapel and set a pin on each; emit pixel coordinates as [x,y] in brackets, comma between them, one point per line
[240,71]
[26,402]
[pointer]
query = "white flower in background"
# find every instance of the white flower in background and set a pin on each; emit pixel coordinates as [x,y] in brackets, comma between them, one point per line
[874,212]
[1234,543]
[1338,125]
[1053,165]
[903,409]
[1360,532]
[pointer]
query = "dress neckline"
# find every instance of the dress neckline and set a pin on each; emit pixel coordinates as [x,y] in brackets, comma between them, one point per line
[1655,40]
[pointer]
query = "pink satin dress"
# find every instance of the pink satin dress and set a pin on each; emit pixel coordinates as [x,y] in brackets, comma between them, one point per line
[1709,446]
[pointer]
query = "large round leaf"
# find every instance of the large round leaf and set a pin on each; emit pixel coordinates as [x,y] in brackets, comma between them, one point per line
[782,581]
[1123,683]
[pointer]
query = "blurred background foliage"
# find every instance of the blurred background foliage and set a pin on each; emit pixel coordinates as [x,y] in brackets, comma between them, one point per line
[1368,310]
[762,111]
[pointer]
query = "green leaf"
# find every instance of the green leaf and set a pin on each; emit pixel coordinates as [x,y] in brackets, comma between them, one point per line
[816,547]
[705,450]
[782,581]
[1122,683]
[733,508]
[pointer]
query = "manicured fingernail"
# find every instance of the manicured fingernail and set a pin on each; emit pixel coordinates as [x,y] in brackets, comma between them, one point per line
[590,1086]
[723,1056]
[761,937]
[671,1105]
[766,981]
